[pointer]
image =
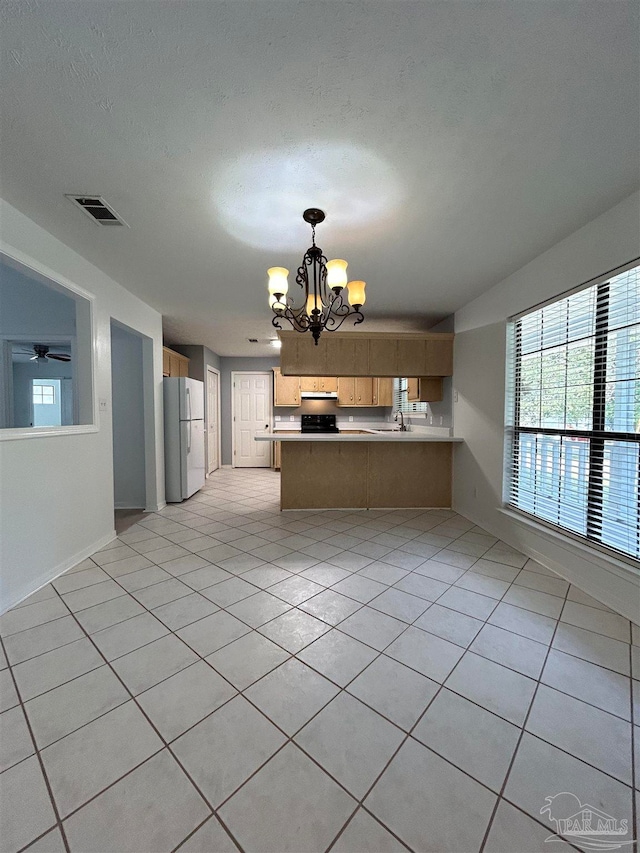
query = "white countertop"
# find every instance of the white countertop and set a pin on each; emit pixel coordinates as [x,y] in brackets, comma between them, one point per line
[369,435]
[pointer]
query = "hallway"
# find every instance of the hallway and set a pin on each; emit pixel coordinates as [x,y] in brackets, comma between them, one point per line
[224,676]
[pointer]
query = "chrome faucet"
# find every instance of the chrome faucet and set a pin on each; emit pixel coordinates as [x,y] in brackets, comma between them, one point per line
[403,427]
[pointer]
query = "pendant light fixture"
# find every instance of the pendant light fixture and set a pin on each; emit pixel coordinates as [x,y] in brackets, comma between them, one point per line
[325,305]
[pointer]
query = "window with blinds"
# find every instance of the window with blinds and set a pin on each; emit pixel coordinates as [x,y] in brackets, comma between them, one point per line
[573,446]
[401,402]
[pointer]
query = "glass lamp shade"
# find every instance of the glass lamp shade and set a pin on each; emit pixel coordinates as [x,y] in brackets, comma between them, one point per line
[356,292]
[313,302]
[278,280]
[336,273]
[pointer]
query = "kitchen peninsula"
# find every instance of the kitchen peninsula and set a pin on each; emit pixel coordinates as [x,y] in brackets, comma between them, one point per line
[372,469]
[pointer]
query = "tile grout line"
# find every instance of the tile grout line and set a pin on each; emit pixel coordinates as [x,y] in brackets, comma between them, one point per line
[519,741]
[165,745]
[45,776]
[341,689]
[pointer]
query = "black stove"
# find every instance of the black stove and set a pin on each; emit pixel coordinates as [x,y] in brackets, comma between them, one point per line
[318,423]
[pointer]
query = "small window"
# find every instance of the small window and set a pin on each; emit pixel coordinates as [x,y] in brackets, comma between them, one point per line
[401,401]
[44,395]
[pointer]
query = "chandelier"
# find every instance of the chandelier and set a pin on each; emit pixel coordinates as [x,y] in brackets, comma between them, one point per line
[323,282]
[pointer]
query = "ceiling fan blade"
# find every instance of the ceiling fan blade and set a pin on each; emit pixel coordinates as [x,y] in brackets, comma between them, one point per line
[59,356]
[33,358]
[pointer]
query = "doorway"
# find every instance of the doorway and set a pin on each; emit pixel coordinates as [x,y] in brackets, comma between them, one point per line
[213,420]
[132,418]
[251,414]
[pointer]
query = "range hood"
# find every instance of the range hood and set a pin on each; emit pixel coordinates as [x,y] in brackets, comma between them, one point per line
[318,395]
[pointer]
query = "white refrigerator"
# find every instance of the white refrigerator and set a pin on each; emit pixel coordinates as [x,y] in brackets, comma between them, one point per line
[183,437]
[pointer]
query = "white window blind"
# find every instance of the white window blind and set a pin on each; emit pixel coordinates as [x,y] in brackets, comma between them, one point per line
[401,402]
[574,413]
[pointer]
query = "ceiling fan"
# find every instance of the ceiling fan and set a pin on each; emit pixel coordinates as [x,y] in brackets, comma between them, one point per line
[42,354]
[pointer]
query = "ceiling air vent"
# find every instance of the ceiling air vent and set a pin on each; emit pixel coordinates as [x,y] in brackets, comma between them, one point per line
[97,209]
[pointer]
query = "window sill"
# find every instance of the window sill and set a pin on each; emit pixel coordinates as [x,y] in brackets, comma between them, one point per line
[45,432]
[619,565]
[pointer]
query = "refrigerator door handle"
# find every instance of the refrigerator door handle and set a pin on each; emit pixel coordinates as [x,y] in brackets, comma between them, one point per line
[189,438]
[188,393]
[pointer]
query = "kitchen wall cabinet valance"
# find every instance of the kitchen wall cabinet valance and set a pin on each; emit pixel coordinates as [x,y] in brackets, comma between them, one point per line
[173,363]
[377,354]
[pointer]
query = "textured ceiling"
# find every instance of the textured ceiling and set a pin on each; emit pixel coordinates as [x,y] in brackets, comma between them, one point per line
[449,143]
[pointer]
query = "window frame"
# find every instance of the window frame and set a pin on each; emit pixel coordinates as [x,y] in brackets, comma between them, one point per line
[597,436]
[41,271]
[42,401]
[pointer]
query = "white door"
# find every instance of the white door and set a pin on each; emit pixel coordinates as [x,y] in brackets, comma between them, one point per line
[251,417]
[213,426]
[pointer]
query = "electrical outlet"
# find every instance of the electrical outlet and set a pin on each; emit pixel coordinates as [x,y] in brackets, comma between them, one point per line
[350,419]
[277,418]
[102,404]
[440,420]
[292,417]
[430,420]
[455,396]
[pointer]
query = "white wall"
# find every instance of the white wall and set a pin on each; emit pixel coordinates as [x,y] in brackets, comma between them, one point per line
[127,402]
[56,492]
[607,242]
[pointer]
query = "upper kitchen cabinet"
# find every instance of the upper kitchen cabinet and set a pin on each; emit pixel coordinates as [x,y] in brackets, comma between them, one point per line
[318,383]
[299,355]
[376,354]
[424,389]
[347,355]
[382,392]
[286,389]
[173,363]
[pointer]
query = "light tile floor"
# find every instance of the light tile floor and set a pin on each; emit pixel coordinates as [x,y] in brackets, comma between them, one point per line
[224,676]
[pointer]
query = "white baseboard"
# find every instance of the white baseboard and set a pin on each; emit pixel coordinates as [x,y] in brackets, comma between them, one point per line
[60,569]
[156,507]
[585,568]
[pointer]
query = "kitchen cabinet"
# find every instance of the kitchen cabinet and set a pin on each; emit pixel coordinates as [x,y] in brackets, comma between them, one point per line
[364,391]
[348,354]
[327,383]
[374,354]
[318,383]
[424,389]
[286,389]
[352,390]
[346,390]
[382,391]
[173,363]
